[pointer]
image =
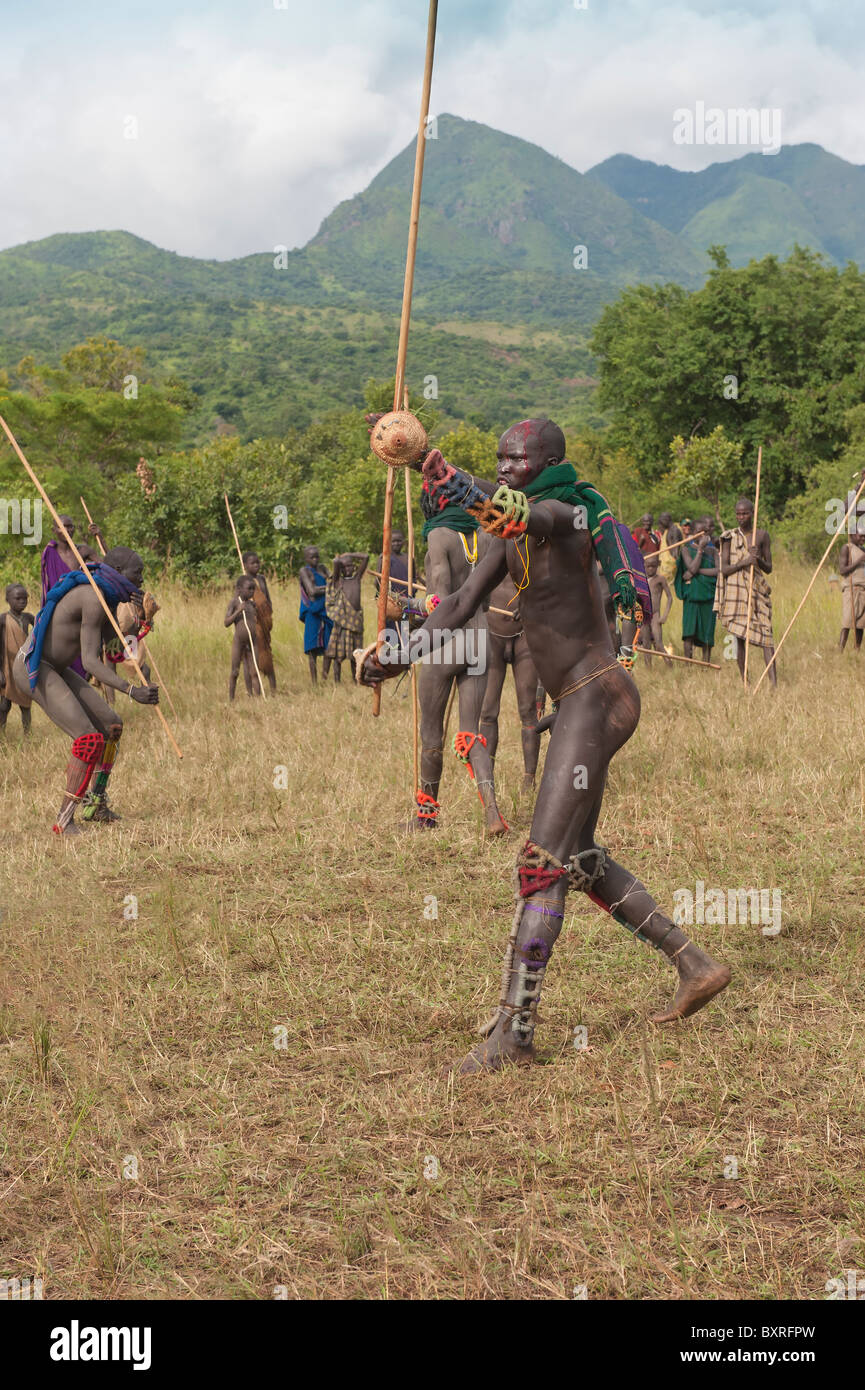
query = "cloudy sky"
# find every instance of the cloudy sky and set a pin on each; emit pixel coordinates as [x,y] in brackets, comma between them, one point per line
[252,118]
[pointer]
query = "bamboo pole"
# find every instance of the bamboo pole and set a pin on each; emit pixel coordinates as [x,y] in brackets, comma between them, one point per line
[772,660]
[75,551]
[670,656]
[415,732]
[405,317]
[675,545]
[753,567]
[245,623]
[145,653]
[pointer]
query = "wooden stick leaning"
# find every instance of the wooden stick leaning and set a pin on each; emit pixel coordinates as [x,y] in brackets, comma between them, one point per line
[405,317]
[245,623]
[773,658]
[692,661]
[753,567]
[675,545]
[94,586]
[413,675]
[147,655]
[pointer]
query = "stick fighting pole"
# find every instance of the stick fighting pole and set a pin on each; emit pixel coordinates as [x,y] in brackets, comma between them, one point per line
[676,544]
[405,317]
[415,739]
[753,567]
[671,656]
[82,566]
[142,646]
[245,623]
[773,658]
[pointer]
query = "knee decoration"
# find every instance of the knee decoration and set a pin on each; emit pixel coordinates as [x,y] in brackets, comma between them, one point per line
[581,879]
[537,870]
[427,810]
[86,749]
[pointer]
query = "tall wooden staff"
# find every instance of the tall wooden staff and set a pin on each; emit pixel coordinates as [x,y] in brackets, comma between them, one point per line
[412,667]
[753,567]
[408,285]
[849,511]
[143,648]
[94,586]
[245,623]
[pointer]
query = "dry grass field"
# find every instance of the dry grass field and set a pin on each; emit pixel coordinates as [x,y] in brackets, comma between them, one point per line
[265,1042]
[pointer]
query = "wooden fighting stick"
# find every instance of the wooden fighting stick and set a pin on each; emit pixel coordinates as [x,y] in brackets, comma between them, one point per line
[415,732]
[671,656]
[82,566]
[753,567]
[148,655]
[245,623]
[405,317]
[665,548]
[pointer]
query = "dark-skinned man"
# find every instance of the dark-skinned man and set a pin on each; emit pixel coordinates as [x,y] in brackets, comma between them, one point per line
[72,624]
[738,558]
[547,531]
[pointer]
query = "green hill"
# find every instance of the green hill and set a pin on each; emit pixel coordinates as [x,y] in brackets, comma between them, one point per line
[501,316]
[824,196]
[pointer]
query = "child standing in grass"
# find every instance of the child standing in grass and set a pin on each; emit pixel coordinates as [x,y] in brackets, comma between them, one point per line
[14,627]
[241,614]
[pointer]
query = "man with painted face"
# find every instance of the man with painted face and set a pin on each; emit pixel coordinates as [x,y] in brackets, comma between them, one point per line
[548,530]
[72,624]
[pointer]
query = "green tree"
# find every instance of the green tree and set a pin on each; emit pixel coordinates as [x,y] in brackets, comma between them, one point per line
[86,423]
[773,351]
[706,467]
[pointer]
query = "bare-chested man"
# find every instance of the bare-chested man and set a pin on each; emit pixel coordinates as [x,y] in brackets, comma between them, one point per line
[454,547]
[851,563]
[508,646]
[548,531]
[263,616]
[738,557]
[652,633]
[14,627]
[696,579]
[72,624]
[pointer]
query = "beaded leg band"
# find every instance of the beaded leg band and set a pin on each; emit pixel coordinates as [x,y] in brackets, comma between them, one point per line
[427,810]
[524,966]
[96,799]
[86,752]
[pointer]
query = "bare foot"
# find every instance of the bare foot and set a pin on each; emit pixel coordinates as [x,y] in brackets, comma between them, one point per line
[700,979]
[500,1049]
[495,824]
[409,826]
[71,829]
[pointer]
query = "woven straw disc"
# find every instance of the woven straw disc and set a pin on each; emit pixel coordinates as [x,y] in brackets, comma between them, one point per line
[399,439]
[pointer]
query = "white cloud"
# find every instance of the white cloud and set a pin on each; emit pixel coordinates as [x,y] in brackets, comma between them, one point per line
[248,137]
